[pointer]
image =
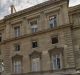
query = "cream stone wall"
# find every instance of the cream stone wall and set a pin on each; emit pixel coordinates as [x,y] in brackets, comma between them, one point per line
[68,31]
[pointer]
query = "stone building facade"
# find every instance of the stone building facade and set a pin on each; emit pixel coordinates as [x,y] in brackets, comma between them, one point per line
[41,40]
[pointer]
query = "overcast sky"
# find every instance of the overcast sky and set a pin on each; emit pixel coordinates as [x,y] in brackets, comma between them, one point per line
[22,4]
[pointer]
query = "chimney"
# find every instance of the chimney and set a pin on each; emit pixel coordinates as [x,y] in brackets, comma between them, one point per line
[13,10]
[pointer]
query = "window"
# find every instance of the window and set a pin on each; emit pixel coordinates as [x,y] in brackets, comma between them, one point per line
[35,58]
[17,31]
[36,64]
[0,51]
[1,66]
[53,21]
[17,47]
[56,61]
[34,44]
[54,40]
[34,27]
[0,37]
[17,66]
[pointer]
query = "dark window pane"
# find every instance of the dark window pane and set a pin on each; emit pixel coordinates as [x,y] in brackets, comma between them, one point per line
[17,47]
[0,38]
[34,44]
[54,40]
[58,63]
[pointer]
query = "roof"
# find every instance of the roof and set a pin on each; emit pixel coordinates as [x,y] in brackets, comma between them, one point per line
[74,8]
[38,6]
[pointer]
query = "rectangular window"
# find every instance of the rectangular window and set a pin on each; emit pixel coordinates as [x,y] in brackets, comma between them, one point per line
[34,44]
[0,37]
[54,40]
[17,47]
[0,51]
[1,66]
[36,64]
[34,27]
[53,21]
[17,31]
[17,66]
[56,61]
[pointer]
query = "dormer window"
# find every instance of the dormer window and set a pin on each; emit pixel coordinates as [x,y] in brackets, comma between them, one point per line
[34,26]
[53,21]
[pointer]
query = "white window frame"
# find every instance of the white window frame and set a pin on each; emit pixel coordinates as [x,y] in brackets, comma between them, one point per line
[34,27]
[17,66]
[17,31]
[52,21]
[35,64]
[54,61]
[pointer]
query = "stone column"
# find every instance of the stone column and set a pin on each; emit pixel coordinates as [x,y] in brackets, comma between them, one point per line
[65,13]
[60,17]
[43,21]
[68,49]
[7,60]
[45,61]
[7,31]
[28,26]
[77,56]
[24,26]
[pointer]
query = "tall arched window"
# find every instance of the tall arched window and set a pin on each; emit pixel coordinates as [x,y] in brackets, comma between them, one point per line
[17,64]
[35,61]
[56,56]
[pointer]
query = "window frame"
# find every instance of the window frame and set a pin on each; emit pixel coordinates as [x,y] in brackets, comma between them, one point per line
[17,31]
[17,66]
[55,37]
[56,51]
[51,19]
[17,47]
[0,37]
[14,59]
[34,42]
[34,27]
[55,64]
[35,65]
[35,55]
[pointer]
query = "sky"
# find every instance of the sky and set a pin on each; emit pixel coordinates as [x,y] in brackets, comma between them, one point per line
[22,4]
